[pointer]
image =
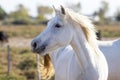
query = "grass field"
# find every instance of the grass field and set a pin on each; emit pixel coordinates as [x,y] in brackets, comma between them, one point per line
[23,61]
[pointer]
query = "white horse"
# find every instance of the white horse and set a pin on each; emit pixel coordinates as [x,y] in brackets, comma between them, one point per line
[111,50]
[70,28]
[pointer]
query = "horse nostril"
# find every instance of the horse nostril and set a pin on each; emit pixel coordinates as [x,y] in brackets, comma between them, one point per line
[34,45]
[43,47]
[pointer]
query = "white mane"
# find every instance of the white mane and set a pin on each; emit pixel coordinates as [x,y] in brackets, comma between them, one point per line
[86,25]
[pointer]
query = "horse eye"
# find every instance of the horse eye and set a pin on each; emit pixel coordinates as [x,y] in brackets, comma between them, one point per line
[57,25]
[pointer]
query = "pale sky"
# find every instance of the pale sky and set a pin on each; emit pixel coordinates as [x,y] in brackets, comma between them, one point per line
[88,6]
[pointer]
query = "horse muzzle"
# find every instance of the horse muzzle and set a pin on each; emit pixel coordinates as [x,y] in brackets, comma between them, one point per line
[36,48]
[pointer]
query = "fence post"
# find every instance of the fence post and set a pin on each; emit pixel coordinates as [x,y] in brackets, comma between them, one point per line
[38,67]
[8,59]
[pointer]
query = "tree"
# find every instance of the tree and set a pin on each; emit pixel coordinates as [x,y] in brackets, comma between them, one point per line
[2,14]
[21,13]
[117,16]
[20,16]
[102,11]
[42,12]
[105,6]
[76,7]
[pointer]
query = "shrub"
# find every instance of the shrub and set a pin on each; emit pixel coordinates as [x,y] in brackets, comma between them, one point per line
[30,74]
[27,64]
[24,51]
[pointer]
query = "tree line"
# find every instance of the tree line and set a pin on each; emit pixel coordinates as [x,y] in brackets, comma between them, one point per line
[21,15]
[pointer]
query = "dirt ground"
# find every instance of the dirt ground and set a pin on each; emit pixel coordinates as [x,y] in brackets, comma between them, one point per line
[19,42]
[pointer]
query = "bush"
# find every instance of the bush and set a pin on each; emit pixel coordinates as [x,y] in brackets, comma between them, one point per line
[30,74]
[24,51]
[22,22]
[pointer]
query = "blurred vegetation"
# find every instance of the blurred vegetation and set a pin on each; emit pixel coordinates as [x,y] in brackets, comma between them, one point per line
[42,12]
[109,31]
[21,16]
[2,13]
[117,16]
[101,13]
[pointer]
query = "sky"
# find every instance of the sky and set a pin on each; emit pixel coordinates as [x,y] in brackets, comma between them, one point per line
[88,6]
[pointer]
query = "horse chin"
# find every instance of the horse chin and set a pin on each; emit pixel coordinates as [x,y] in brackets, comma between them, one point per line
[43,53]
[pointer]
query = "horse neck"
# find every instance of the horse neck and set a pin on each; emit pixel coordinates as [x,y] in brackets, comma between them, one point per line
[83,51]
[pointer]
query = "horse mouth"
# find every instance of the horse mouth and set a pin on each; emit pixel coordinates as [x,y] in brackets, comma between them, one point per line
[39,50]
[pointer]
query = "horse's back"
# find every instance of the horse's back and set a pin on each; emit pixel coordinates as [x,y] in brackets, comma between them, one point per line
[111,50]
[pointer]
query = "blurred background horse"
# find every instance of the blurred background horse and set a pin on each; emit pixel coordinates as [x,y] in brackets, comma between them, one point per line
[3,37]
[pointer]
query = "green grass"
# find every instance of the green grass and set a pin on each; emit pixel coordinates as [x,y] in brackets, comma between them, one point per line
[12,77]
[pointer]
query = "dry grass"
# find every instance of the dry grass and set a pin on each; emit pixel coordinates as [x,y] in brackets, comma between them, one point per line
[22,31]
[111,31]
[23,63]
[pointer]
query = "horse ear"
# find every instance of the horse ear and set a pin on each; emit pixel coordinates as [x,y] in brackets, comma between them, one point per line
[62,10]
[54,9]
